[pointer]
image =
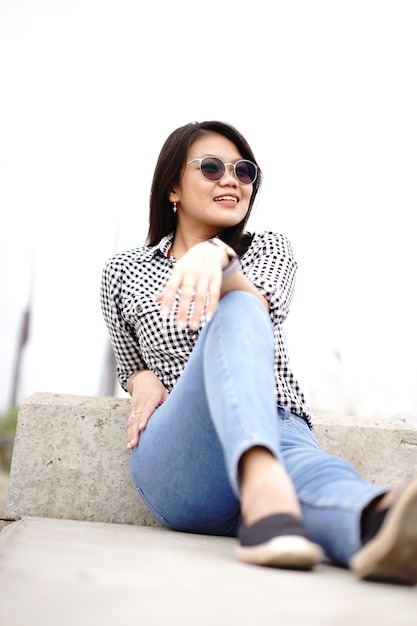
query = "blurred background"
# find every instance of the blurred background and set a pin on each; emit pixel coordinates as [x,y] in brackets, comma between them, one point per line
[325,93]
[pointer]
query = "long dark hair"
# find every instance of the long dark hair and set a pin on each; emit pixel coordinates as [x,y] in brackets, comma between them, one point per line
[171,160]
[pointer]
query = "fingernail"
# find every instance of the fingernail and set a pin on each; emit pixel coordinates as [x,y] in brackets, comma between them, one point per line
[140,426]
[180,325]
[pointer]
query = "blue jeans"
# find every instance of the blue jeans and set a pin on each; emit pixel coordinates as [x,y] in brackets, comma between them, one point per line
[186,464]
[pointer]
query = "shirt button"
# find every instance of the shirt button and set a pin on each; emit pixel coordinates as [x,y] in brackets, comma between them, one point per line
[139,308]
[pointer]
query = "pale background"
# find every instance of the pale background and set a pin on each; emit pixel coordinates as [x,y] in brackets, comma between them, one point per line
[325,92]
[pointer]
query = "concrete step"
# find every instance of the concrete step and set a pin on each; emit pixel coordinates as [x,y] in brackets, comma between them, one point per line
[70,459]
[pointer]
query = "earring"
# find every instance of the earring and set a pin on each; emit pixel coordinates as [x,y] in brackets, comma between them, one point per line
[174,208]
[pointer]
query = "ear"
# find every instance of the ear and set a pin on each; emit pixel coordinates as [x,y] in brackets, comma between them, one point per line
[173,196]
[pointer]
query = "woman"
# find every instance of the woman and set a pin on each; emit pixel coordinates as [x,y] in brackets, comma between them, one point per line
[220,436]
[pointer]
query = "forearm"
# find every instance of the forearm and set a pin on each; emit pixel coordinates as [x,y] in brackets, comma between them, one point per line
[238,281]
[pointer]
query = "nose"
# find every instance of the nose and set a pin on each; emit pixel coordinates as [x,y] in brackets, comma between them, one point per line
[229,175]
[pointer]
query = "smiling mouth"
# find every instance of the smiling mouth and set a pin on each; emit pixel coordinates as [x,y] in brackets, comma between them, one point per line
[229,198]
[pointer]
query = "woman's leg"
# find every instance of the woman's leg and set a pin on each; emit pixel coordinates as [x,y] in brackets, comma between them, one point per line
[331,493]
[186,466]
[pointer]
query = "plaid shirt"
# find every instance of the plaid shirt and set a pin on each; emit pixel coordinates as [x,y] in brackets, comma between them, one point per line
[141,339]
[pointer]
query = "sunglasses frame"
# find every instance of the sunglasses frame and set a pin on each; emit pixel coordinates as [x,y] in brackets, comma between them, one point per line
[200,159]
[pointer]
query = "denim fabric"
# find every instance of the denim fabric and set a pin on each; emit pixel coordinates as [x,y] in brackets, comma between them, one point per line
[186,464]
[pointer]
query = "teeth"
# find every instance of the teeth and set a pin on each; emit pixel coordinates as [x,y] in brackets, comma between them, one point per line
[226,198]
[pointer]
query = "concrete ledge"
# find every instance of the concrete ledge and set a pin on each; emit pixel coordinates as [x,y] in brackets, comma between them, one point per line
[381,450]
[70,459]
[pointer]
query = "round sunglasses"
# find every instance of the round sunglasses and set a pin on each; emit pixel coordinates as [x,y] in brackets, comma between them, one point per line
[213,169]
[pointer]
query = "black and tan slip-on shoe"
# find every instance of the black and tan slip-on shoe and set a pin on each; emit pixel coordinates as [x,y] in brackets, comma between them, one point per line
[392,554]
[278,541]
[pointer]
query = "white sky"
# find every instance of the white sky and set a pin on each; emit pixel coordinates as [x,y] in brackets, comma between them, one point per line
[325,92]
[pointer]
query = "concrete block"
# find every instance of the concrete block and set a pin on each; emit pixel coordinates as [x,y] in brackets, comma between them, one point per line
[381,450]
[70,459]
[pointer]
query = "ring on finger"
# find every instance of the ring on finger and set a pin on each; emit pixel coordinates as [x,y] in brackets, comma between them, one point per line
[189,284]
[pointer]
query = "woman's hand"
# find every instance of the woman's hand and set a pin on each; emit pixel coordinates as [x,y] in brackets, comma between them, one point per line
[148,393]
[197,277]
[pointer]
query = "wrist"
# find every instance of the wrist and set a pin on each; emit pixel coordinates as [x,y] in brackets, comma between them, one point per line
[233,261]
[132,380]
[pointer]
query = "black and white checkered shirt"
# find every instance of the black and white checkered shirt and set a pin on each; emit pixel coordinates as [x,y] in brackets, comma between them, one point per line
[141,339]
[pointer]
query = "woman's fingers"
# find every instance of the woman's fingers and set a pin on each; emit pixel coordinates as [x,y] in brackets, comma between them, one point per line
[187,292]
[194,286]
[199,304]
[202,294]
[141,410]
[167,296]
[135,424]
[213,298]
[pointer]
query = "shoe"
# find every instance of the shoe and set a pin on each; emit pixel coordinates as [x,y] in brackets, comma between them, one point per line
[391,555]
[278,540]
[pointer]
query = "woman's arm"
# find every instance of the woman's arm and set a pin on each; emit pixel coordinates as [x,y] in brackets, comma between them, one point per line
[198,277]
[239,281]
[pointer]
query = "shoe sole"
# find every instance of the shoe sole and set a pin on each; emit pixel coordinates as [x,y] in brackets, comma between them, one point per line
[392,554]
[287,551]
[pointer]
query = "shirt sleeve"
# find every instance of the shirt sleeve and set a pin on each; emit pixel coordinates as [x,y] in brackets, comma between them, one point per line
[272,271]
[122,336]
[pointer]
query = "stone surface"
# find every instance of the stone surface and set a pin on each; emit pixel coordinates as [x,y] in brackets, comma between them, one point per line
[70,459]
[4,486]
[72,573]
[381,450]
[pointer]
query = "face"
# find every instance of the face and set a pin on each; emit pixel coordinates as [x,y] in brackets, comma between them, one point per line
[206,207]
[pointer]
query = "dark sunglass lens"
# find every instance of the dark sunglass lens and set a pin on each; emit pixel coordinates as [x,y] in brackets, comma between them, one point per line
[212,168]
[245,172]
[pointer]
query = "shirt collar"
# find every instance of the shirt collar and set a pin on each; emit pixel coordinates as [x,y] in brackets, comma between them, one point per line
[163,246]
